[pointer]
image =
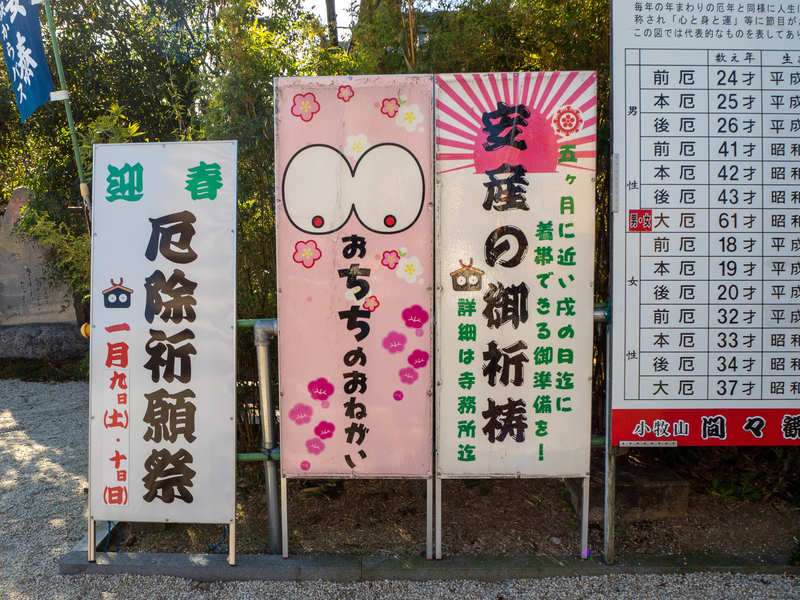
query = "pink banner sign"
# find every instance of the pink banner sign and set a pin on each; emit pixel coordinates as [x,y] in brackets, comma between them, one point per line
[355,275]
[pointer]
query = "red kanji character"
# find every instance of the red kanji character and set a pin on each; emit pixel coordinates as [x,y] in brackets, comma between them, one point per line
[117,458]
[122,475]
[115,420]
[119,379]
[117,355]
[115,495]
[122,398]
[120,327]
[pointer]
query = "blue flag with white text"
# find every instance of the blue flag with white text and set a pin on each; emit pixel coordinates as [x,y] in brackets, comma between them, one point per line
[21,36]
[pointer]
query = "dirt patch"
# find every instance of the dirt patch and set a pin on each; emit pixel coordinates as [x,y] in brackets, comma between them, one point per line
[514,517]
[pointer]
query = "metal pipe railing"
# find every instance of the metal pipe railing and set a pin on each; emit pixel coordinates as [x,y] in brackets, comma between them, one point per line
[265,330]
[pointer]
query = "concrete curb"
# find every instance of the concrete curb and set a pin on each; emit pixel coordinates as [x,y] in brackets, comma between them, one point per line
[214,567]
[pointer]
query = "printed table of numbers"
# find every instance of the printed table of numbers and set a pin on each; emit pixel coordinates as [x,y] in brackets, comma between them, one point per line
[713,199]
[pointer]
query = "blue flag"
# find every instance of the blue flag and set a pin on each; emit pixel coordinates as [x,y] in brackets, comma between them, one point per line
[21,36]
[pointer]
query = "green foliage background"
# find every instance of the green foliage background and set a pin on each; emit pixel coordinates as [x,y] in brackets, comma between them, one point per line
[168,70]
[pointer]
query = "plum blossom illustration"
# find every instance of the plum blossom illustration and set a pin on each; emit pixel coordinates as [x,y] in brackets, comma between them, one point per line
[408,375]
[410,117]
[418,359]
[415,317]
[389,107]
[390,259]
[324,430]
[398,395]
[306,253]
[371,304]
[305,465]
[315,446]
[394,342]
[301,413]
[346,93]
[320,389]
[305,106]
[356,145]
[409,269]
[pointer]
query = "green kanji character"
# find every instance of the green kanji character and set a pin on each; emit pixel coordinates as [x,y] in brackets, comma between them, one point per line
[567,204]
[566,332]
[541,428]
[466,356]
[544,231]
[467,332]
[567,153]
[541,404]
[562,233]
[544,306]
[544,332]
[466,380]
[204,180]
[543,355]
[125,183]
[466,452]
[467,428]
[559,406]
[466,404]
[566,257]
[565,355]
[542,379]
[567,305]
[466,308]
[544,255]
[564,381]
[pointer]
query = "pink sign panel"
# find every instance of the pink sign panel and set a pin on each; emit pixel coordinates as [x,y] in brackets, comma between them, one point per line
[355,275]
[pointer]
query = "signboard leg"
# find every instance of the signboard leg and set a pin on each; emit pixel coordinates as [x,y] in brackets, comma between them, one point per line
[608,531]
[285,516]
[438,518]
[585,520]
[92,542]
[429,550]
[232,544]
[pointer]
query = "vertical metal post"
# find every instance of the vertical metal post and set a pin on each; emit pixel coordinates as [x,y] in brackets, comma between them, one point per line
[265,330]
[285,516]
[232,544]
[68,109]
[438,518]
[429,549]
[585,519]
[610,506]
[92,539]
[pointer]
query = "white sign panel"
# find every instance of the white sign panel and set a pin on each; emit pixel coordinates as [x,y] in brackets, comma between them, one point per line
[515,217]
[163,306]
[706,229]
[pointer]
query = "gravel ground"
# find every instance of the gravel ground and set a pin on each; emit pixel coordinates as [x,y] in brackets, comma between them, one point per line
[43,477]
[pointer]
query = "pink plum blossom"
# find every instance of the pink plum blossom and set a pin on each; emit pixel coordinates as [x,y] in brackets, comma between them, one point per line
[301,413]
[371,303]
[324,430]
[305,465]
[306,253]
[415,316]
[418,359]
[305,106]
[408,375]
[390,259]
[320,389]
[389,107]
[394,342]
[315,446]
[345,93]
